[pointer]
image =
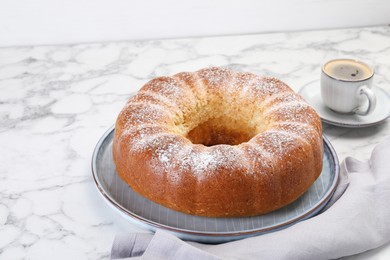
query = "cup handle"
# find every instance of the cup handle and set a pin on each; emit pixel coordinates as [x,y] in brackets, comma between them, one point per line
[371,101]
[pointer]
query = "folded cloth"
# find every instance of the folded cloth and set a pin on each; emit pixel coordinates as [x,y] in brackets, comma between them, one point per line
[357,220]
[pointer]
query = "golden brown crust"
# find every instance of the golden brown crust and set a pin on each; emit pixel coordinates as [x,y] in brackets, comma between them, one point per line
[272,152]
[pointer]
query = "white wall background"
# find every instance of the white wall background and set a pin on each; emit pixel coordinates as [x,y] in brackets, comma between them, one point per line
[37,22]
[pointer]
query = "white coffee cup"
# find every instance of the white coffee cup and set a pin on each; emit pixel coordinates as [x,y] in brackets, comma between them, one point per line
[346,86]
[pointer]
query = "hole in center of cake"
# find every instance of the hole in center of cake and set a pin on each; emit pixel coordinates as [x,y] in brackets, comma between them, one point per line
[221,131]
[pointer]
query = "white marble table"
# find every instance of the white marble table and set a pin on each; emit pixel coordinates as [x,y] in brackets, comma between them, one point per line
[56,102]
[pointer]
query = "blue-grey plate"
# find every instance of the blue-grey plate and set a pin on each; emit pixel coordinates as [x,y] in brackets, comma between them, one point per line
[204,229]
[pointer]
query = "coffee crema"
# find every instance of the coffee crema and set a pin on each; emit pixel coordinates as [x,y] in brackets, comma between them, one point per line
[347,70]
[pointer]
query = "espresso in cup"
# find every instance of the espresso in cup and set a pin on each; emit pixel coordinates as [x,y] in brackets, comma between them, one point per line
[348,70]
[346,86]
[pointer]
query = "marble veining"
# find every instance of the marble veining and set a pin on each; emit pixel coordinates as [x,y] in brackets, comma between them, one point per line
[56,102]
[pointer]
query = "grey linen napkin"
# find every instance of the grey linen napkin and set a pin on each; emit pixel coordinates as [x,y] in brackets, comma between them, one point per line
[357,219]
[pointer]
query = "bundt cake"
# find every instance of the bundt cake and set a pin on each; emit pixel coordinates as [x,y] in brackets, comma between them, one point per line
[218,143]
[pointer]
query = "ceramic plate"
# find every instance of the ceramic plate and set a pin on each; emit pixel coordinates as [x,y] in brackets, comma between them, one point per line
[203,229]
[312,94]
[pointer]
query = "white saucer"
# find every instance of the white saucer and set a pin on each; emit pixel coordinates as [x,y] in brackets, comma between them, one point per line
[312,94]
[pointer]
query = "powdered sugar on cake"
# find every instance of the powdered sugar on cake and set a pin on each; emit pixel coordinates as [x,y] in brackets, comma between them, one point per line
[174,153]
